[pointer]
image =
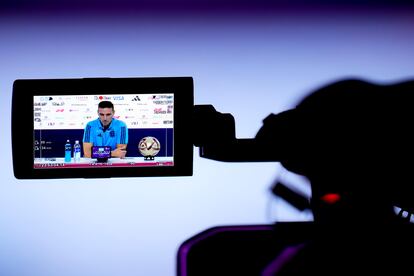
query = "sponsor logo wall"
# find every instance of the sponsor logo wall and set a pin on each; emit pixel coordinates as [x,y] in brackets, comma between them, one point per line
[75,111]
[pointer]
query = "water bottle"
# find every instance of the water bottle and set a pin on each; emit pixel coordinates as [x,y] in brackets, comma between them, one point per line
[68,151]
[77,151]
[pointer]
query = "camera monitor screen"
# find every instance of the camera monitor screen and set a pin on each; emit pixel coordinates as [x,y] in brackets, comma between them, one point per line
[102,127]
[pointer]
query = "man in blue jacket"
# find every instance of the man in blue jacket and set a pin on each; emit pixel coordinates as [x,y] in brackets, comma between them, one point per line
[106,131]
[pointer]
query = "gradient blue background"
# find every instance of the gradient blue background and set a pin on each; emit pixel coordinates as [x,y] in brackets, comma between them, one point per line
[248,61]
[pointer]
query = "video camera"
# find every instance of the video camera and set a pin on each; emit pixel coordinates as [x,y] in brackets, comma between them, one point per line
[352,139]
[349,123]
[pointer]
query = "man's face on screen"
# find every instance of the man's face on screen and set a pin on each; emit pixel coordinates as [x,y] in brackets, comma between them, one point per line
[105,115]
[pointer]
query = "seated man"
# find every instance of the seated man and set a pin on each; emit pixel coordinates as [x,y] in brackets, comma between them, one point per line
[106,131]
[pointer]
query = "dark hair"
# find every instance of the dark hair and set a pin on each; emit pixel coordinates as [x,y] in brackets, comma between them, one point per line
[106,104]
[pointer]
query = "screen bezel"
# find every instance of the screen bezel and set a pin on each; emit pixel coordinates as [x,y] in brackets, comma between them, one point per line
[24,91]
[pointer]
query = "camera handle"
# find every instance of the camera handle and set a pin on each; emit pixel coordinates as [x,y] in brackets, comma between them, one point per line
[215,135]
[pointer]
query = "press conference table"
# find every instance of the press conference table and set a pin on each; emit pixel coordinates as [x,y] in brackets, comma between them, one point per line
[112,162]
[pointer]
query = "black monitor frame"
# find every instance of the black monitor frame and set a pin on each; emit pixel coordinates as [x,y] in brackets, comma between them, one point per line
[24,91]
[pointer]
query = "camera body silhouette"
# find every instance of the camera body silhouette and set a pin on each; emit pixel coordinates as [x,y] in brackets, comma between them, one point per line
[353,140]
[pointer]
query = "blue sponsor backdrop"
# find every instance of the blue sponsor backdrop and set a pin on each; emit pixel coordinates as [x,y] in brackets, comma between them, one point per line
[51,143]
